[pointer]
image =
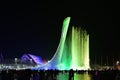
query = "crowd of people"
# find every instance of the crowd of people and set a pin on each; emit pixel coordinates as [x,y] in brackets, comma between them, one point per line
[52,74]
[30,74]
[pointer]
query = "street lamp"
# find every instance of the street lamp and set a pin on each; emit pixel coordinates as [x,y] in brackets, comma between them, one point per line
[16,60]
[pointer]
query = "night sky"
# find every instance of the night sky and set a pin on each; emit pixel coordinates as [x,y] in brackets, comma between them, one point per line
[35,27]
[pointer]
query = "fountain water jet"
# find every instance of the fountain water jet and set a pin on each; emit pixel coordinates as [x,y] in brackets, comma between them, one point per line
[72,52]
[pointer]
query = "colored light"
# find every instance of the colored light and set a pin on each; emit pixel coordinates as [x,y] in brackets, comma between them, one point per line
[84,76]
[37,59]
[72,52]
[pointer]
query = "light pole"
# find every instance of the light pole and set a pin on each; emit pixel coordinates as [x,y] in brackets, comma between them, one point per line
[16,60]
[101,62]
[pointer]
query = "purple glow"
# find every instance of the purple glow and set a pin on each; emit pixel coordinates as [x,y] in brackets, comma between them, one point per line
[35,59]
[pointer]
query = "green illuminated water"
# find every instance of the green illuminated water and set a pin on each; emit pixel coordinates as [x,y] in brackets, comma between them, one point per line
[58,58]
[80,49]
[72,51]
[84,76]
[75,53]
[63,76]
[76,76]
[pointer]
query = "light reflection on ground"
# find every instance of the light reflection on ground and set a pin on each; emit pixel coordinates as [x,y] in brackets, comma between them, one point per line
[76,76]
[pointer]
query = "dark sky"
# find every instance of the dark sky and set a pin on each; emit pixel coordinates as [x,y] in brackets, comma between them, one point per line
[36,26]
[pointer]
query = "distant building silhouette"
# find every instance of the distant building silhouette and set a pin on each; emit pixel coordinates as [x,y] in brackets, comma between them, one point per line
[32,59]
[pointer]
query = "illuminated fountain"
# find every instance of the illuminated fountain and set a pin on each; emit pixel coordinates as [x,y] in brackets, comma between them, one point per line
[72,52]
[80,49]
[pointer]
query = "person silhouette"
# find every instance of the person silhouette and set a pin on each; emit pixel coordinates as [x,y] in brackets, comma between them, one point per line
[71,74]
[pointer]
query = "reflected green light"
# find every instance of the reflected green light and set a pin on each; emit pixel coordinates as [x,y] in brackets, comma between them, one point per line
[63,76]
[84,76]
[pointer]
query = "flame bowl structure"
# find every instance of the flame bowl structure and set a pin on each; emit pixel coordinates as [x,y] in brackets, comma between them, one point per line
[72,51]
